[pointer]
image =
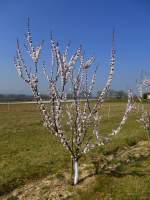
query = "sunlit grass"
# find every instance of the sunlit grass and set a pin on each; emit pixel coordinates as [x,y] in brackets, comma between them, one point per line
[28,151]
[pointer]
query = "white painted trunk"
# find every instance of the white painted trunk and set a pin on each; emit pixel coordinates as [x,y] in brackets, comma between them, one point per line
[76,172]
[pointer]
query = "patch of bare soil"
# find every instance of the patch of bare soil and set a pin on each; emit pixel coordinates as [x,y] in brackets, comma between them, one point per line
[58,187]
[49,188]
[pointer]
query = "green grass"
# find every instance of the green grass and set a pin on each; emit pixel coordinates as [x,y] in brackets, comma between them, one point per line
[28,151]
[133,184]
[116,188]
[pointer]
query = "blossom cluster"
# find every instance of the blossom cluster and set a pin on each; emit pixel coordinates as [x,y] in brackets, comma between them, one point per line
[130,105]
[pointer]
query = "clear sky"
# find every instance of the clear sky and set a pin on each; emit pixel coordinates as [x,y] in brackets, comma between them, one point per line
[87,22]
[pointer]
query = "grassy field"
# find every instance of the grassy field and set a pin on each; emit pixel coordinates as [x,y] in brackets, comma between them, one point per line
[28,151]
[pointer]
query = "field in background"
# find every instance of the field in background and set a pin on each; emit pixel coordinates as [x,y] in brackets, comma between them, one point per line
[28,151]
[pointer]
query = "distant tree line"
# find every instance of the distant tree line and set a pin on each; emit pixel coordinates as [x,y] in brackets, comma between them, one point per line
[113,94]
[120,94]
[18,97]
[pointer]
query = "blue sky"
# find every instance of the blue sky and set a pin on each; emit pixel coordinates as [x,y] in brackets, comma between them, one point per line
[87,22]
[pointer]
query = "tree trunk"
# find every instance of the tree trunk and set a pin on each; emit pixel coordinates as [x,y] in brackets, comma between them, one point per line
[76,172]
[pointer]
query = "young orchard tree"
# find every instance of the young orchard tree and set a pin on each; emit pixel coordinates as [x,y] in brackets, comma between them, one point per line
[81,118]
[144,84]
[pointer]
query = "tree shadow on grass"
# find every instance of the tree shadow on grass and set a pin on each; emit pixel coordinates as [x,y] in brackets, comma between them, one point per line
[116,173]
[86,177]
[138,173]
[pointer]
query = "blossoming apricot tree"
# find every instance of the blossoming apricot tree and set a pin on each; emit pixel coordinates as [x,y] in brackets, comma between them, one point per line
[81,118]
